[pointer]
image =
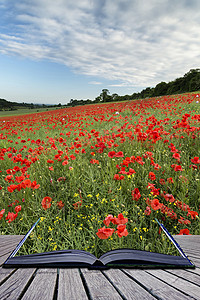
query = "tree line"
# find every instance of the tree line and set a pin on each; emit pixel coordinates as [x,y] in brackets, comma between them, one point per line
[190,82]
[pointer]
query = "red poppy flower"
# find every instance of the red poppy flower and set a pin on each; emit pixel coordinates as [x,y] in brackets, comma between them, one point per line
[50,161]
[11,217]
[34,185]
[94,161]
[162,181]
[194,167]
[155,191]
[169,197]
[131,171]
[152,176]
[119,154]
[108,219]
[192,214]
[104,233]
[119,220]
[136,194]
[170,180]
[46,202]
[147,211]
[60,204]
[176,168]
[12,187]
[72,157]
[111,154]
[176,156]
[18,208]
[121,230]
[26,183]
[184,231]
[65,162]
[117,177]
[78,204]
[1,213]
[155,204]
[195,160]
[9,178]
[183,221]
[157,166]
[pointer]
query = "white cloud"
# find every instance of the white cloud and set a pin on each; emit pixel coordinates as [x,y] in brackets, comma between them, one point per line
[138,43]
[95,82]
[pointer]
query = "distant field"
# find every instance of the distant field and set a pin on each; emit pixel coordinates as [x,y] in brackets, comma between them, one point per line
[25,111]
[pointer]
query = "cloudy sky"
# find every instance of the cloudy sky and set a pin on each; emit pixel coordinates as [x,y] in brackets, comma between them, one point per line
[52,51]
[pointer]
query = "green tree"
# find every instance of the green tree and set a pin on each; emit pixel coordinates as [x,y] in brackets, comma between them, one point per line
[160,89]
[104,95]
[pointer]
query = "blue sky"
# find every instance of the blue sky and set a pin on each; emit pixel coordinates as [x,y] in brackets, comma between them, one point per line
[52,51]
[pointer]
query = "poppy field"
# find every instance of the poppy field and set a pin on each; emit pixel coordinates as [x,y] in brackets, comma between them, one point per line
[99,175]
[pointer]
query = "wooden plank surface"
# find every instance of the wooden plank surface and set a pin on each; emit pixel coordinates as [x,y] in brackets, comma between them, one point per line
[7,244]
[127,287]
[15,285]
[43,285]
[180,284]
[70,285]
[154,285]
[9,241]
[15,238]
[196,271]
[4,257]
[189,276]
[5,273]
[99,287]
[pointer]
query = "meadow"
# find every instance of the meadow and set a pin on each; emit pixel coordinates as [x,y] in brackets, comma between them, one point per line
[99,175]
[24,111]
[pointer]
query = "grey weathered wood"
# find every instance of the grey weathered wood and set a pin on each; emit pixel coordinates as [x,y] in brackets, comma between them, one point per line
[70,285]
[47,270]
[10,239]
[14,286]
[188,242]
[6,249]
[155,286]
[194,238]
[99,287]
[4,257]
[5,273]
[192,253]
[181,284]
[43,285]
[127,287]
[196,271]
[189,276]
[7,244]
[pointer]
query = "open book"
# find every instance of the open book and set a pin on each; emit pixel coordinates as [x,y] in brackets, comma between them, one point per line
[126,258]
